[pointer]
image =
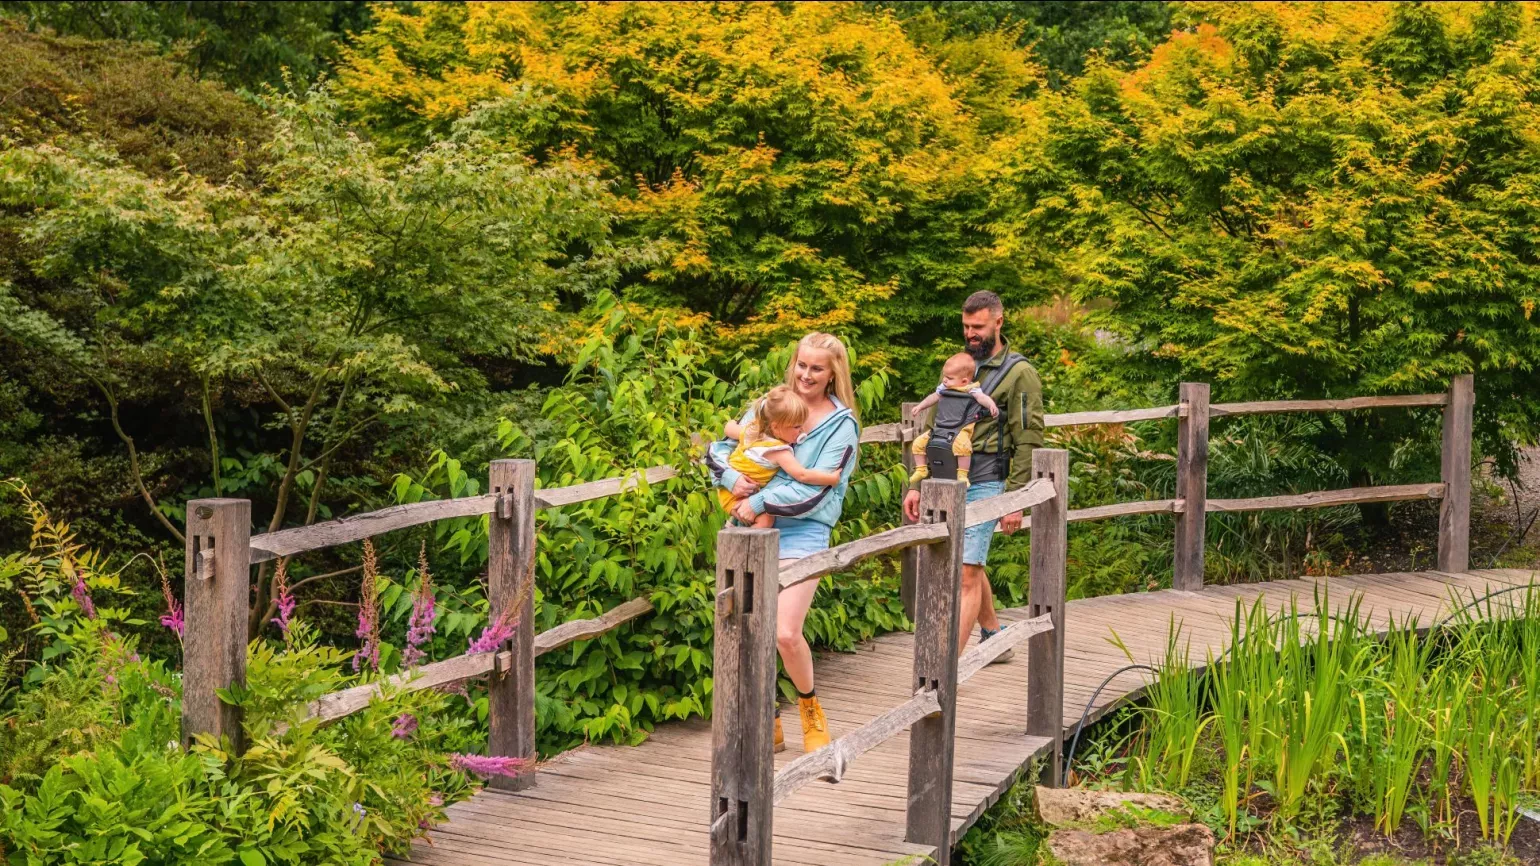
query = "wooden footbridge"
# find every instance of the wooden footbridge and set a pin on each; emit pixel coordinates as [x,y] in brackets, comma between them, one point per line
[926,739]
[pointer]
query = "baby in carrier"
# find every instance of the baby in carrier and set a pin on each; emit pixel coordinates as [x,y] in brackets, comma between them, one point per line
[957,400]
[764,447]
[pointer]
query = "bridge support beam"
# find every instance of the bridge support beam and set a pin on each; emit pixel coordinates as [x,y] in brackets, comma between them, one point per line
[743,698]
[1191,487]
[1046,595]
[938,586]
[511,593]
[1454,510]
[218,564]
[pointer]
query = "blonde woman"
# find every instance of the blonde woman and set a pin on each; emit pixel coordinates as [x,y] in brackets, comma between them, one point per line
[804,513]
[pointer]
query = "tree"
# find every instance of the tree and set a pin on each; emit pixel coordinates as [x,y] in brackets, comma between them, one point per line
[1312,201]
[353,291]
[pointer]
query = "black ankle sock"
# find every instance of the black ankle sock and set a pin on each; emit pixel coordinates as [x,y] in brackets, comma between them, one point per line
[810,694]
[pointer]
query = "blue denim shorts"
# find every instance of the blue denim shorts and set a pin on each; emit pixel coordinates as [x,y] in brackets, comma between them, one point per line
[976,539]
[801,537]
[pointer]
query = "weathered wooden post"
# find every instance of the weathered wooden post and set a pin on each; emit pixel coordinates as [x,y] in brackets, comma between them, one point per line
[743,698]
[938,586]
[218,570]
[1191,486]
[1454,510]
[909,429]
[511,593]
[1046,595]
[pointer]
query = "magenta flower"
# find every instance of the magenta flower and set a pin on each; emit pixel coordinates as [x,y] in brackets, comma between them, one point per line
[172,618]
[406,725]
[284,597]
[83,598]
[497,633]
[424,610]
[368,631]
[488,766]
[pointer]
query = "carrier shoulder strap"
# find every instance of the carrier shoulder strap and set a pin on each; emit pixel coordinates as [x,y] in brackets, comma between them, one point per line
[990,383]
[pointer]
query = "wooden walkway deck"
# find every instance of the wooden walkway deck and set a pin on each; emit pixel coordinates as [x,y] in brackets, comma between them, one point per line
[649,804]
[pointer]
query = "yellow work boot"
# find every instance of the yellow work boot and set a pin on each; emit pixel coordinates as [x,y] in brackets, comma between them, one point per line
[780,736]
[815,727]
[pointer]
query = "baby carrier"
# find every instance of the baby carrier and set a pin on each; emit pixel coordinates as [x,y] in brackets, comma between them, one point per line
[955,411]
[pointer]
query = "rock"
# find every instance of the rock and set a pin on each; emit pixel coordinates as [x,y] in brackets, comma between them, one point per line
[1063,807]
[1182,845]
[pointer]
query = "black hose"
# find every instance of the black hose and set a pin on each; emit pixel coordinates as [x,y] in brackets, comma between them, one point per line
[1475,601]
[1069,756]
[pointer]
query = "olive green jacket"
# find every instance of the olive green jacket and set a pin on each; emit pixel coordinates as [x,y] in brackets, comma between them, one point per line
[1020,398]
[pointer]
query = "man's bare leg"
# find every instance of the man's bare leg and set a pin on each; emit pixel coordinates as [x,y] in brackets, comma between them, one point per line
[974,588]
[987,619]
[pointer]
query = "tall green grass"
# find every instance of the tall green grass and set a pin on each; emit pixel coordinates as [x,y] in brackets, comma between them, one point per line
[1418,723]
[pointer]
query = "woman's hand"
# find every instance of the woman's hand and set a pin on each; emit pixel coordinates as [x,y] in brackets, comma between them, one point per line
[744,512]
[744,488]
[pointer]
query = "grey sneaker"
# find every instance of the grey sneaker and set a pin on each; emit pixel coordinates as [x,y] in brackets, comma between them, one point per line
[1004,657]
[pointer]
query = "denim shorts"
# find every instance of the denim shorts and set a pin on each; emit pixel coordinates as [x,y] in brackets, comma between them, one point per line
[801,537]
[976,539]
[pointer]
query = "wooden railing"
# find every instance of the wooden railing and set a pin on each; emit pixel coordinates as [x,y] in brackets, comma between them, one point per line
[220,552]
[745,787]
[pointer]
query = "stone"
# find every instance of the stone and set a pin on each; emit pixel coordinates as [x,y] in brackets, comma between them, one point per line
[1182,845]
[1065,807]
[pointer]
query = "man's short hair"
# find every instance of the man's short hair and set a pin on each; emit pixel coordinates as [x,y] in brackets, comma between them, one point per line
[984,301]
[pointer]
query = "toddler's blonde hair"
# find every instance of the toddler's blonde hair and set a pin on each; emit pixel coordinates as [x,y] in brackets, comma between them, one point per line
[781,405]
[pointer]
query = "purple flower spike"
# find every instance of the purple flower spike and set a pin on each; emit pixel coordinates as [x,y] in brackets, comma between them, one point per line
[83,598]
[368,632]
[497,633]
[172,618]
[406,725]
[488,766]
[283,597]
[419,628]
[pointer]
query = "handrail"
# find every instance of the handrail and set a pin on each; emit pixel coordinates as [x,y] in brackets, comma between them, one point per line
[1325,498]
[1112,416]
[831,761]
[331,707]
[1346,404]
[842,557]
[356,527]
[1036,491]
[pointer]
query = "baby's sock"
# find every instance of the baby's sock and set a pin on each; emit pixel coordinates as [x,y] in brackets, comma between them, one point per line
[962,475]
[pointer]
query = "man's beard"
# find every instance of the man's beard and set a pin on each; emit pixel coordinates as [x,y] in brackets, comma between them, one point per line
[984,349]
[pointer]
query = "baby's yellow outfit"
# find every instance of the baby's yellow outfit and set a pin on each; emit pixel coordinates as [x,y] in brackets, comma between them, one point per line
[962,446]
[752,460]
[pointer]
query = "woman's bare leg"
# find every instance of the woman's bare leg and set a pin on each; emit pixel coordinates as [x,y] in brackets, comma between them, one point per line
[791,612]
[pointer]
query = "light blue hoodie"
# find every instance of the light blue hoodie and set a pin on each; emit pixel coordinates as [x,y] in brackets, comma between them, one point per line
[834,444]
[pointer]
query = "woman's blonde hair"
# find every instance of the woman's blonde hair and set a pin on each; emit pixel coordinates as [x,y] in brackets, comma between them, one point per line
[839,383]
[781,405]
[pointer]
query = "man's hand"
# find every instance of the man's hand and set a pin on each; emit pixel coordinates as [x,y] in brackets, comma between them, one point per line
[745,488]
[1010,523]
[912,506]
[745,512]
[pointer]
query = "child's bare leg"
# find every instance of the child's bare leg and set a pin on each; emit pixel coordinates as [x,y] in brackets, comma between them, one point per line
[764,521]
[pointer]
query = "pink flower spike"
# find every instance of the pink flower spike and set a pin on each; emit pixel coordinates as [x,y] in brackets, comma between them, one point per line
[424,611]
[172,618]
[83,598]
[283,597]
[406,725]
[488,766]
[496,634]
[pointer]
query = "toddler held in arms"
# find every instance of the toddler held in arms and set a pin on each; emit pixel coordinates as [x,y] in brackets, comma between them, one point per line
[956,413]
[764,447]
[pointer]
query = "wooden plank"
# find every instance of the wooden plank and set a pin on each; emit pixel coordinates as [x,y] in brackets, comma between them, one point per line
[931,742]
[987,651]
[996,507]
[1454,511]
[831,761]
[511,593]
[1267,407]
[218,572]
[844,556]
[299,539]
[743,698]
[1046,597]
[1191,487]
[1328,498]
[1124,509]
[583,629]
[884,433]
[555,497]
[1111,416]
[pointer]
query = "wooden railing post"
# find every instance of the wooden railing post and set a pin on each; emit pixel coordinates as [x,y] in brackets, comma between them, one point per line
[937,588]
[1454,511]
[1191,486]
[743,698]
[511,592]
[908,428]
[1046,595]
[218,569]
